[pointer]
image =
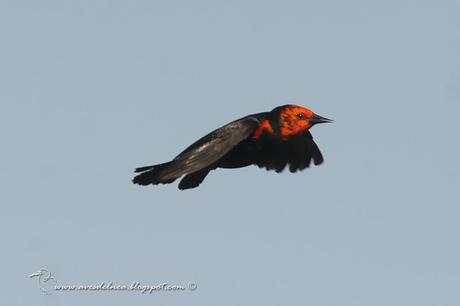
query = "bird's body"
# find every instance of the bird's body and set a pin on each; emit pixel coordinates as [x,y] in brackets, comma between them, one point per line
[270,139]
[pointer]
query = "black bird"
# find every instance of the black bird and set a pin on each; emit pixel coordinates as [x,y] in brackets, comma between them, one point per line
[272,140]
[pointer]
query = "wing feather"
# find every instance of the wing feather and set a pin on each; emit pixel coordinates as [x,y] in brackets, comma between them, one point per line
[210,148]
[297,152]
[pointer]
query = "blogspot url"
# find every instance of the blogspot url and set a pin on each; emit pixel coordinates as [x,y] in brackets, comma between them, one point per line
[133,287]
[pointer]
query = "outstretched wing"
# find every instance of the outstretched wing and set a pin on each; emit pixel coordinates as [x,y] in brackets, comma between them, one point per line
[297,152]
[209,149]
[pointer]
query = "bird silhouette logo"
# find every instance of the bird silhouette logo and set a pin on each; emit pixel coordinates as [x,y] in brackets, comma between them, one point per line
[46,280]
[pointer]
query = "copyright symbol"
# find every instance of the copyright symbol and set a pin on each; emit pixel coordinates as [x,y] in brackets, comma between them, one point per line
[192,286]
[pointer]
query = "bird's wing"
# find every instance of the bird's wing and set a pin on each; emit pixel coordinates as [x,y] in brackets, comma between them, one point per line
[297,152]
[209,149]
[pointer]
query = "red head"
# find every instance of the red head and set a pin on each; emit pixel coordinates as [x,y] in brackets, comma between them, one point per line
[289,120]
[294,119]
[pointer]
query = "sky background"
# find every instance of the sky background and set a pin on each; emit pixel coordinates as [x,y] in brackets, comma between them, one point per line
[92,89]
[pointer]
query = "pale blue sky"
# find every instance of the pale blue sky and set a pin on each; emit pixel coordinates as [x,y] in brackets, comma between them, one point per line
[92,89]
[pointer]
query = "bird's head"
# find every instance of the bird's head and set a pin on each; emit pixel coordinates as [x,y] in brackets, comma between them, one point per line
[294,119]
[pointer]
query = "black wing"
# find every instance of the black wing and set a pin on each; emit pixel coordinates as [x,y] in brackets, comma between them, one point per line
[298,152]
[210,148]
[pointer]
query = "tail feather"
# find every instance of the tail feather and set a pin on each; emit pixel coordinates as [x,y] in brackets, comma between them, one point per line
[142,169]
[152,175]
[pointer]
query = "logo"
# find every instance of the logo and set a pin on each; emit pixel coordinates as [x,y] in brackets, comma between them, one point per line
[48,284]
[46,281]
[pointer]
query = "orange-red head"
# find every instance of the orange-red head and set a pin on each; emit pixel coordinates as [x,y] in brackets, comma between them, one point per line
[294,119]
[288,120]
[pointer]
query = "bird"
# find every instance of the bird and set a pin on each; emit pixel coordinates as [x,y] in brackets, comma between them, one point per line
[272,140]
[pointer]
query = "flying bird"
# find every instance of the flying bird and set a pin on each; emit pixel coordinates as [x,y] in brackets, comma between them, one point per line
[271,140]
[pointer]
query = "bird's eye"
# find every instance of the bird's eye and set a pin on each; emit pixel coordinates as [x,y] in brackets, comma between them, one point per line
[300,116]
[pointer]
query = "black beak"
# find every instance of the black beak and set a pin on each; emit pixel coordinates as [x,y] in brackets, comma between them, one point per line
[318,119]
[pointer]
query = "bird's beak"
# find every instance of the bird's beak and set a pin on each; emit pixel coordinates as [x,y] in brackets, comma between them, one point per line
[318,119]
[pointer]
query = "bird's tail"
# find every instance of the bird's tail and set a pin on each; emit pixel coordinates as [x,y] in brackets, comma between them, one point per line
[152,175]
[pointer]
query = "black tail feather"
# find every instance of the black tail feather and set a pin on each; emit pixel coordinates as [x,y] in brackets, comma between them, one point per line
[142,169]
[152,175]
